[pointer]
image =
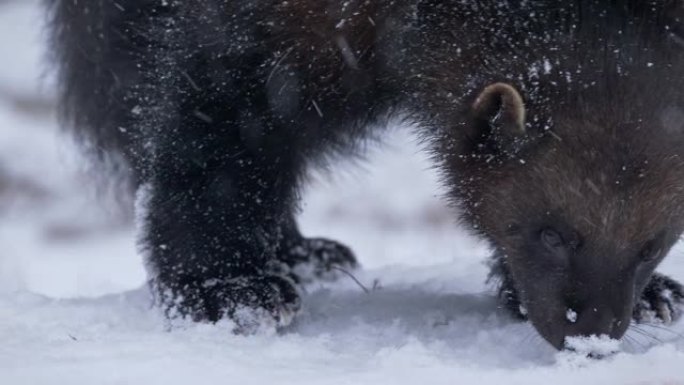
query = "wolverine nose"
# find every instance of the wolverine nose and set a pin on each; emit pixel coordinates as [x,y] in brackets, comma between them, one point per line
[593,320]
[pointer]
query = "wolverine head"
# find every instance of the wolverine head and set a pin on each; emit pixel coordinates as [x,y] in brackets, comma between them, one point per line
[582,210]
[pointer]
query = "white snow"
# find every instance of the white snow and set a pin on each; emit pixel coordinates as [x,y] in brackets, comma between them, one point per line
[73,309]
[599,346]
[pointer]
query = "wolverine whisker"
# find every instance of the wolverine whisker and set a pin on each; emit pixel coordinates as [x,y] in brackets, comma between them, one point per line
[646,334]
[663,328]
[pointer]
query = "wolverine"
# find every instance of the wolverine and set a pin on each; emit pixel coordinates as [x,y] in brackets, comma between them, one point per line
[558,127]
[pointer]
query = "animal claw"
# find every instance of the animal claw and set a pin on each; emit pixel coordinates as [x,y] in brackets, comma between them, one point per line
[662,300]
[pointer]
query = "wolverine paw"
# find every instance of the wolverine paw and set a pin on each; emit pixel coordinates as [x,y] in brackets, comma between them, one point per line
[511,302]
[252,303]
[265,302]
[318,258]
[662,299]
[509,297]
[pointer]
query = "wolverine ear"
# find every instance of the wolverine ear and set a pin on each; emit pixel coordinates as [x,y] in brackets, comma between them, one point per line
[498,118]
[501,106]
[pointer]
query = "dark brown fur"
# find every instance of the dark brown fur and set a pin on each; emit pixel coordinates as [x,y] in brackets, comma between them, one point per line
[218,108]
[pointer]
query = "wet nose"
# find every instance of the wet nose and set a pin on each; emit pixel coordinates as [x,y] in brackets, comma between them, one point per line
[593,320]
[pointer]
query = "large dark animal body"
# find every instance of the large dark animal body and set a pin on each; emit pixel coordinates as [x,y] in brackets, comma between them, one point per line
[218,108]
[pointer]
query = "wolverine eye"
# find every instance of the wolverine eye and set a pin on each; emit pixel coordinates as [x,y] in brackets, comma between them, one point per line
[650,252]
[551,238]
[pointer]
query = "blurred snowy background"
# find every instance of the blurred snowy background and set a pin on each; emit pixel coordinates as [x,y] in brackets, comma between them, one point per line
[74,310]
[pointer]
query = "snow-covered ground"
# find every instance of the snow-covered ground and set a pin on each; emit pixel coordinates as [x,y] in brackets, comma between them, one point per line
[74,310]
